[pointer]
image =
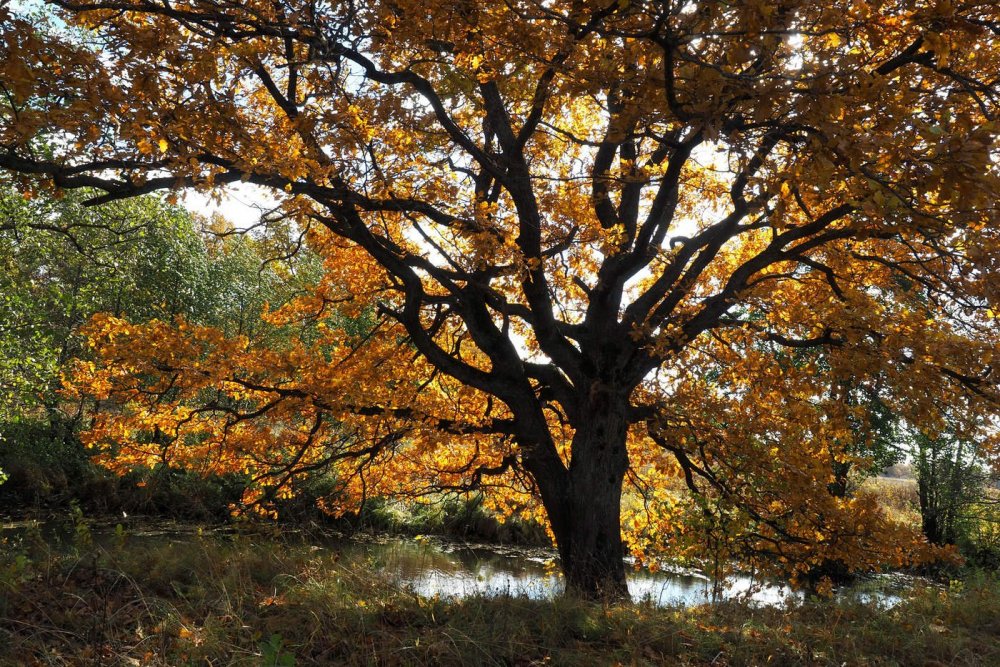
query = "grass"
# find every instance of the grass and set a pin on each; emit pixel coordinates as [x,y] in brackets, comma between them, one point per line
[260,601]
[897,496]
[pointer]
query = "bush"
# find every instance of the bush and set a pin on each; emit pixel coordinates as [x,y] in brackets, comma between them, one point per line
[50,469]
[466,518]
[43,461]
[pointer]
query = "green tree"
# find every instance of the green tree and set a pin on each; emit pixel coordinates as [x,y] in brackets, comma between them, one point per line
[951,481]
[142,259]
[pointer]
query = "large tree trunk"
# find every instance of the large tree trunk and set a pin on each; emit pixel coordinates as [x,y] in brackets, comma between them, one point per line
[585,513]
[591,550]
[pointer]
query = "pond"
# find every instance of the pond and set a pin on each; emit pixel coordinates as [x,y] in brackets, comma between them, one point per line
[452,569]
[431,566]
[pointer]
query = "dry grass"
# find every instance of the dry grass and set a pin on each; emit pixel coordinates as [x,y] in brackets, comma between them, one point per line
[258,601]
[897,496]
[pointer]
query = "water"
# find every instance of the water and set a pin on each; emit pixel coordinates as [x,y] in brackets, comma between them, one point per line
[435,567]
[449,569]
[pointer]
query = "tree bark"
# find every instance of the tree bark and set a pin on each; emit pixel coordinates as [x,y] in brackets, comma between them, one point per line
[586,516]
[593,556]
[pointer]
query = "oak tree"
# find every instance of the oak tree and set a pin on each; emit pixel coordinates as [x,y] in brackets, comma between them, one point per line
[592,238]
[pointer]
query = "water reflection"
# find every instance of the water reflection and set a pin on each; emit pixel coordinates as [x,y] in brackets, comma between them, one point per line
[454,570]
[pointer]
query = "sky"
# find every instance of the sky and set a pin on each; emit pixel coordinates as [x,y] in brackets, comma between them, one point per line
[242,204]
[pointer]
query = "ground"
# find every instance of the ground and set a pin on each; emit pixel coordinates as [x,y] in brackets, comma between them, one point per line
[258,600]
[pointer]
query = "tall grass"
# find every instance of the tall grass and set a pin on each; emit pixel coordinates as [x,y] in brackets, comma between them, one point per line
[897,496]
[255,600]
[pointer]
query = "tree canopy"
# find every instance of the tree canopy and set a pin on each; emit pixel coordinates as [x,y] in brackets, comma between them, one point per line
[139,259]
[597,242]
[60,263]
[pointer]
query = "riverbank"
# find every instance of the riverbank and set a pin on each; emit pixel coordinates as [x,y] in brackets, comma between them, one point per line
[428,565]
[255,600]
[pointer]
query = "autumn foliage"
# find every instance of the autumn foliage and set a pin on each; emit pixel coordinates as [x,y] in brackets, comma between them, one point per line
[679,249]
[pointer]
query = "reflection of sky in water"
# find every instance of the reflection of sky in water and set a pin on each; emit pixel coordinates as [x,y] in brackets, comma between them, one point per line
[430,570]
[659,589]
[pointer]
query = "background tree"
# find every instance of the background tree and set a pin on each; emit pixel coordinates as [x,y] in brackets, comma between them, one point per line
[140,259]
[60,264]
[574,221]
[951,481]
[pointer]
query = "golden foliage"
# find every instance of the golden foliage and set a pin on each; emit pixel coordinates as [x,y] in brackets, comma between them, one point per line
[708,221]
